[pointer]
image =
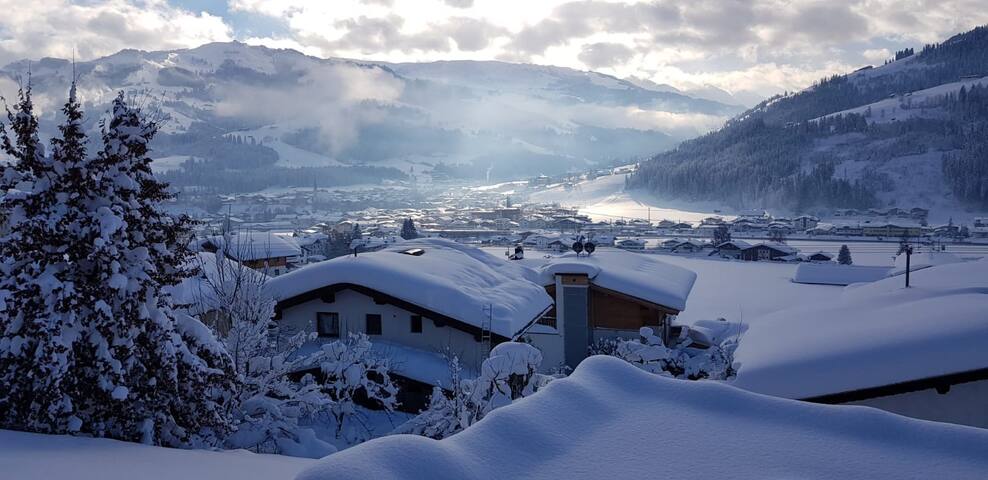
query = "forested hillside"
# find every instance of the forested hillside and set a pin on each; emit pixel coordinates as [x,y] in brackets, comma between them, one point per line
[912,130]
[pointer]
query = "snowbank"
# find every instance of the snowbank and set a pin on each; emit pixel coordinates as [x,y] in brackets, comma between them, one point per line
[32,455]
[455,280]
[836,274]
[611,420]
[638,275]
[872,335]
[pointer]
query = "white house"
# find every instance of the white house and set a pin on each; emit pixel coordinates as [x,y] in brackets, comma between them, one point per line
[917,351]
[424,295]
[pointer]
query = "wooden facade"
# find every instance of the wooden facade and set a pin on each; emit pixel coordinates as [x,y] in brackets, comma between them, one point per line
[612,310]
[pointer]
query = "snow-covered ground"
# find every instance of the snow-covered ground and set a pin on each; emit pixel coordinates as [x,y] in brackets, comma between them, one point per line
[26,456]
[604,198]
[612,420]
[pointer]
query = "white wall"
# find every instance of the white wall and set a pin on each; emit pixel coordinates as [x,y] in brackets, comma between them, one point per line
[352,308]
[964,404]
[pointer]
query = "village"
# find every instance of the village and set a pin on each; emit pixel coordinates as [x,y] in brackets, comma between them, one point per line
[552,278]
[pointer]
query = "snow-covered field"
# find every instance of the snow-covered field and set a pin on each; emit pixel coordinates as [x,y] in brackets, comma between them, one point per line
[611,420]
[25,456]
[604,198]
[743,291]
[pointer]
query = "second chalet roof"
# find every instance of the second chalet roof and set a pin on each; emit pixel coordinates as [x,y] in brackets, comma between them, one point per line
[452,279]
[634,274]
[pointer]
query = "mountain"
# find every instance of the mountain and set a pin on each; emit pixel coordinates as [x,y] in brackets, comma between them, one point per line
[239,117]
[912,132]
[706,92]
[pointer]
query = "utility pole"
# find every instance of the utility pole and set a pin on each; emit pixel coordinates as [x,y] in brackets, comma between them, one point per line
[908,250]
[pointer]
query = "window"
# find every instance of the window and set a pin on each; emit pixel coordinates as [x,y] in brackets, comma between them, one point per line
[373,324]
[416,323]
[328,324]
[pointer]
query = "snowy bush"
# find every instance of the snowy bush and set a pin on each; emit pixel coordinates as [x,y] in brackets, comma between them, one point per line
[509,373]
[277,401]
[681,360]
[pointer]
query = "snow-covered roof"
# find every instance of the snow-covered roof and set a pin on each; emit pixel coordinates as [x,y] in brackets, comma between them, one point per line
[873,335]
[836,274]
[609,419]
[250,245]
[448,278]
[739,244]
[777,246]
[638,275]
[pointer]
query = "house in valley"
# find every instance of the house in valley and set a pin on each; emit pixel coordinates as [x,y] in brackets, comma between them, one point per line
[266,252]
[803,223]
[769,251]
[819,256]
[730,248]
[630,244]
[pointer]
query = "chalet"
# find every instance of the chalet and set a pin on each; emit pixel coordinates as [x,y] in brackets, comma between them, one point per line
[949,230]
[848,230]
[804,222]
[882,346]
[688,246]
[891,230]
[820,256]
[768,251]
[666,224]
[630,244]
[980,228]
[416,298]
[730,248]
[605,295]
[670,243]
[265,252]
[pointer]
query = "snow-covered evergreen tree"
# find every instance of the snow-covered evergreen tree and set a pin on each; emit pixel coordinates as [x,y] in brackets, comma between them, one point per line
[408,231]
[844,255]
[147,373]
[37,293]
[89,342]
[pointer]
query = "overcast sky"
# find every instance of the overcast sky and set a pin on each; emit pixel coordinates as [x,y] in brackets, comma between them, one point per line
[763,46]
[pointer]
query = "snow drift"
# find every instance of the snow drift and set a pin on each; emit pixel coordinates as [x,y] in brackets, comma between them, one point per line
[611,420]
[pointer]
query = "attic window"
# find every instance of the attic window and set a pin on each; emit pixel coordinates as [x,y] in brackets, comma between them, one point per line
[415,252]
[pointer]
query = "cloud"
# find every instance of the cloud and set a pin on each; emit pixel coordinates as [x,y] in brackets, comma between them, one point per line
[337,99]
[57,27]
[703,41]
